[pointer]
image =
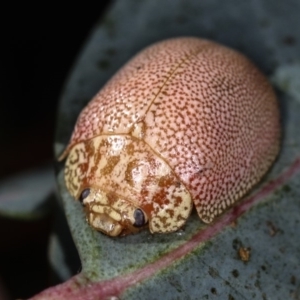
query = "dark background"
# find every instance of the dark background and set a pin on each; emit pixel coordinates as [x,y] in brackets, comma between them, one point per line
[39,44]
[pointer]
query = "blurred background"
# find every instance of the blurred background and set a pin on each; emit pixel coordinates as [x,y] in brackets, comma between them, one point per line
[39,45]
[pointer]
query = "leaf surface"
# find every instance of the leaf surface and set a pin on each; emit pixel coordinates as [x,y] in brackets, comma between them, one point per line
[198,262]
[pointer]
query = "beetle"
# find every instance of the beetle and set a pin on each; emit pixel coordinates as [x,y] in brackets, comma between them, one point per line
[186,121]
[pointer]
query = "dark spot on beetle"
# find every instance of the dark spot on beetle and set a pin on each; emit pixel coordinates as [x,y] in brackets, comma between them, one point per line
[199,171]
[178,184]
[213,291]
[180,218]
[177,201]
[289,40]
[165,181]
[230,297]
[109,167]
[263,268]
[170,212]
[235,273]
[129,149]
[111,197]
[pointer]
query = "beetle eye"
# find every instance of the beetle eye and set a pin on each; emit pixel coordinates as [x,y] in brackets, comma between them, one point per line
[139,218]
[84,194]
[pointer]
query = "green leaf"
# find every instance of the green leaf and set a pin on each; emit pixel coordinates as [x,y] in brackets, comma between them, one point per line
[198,262]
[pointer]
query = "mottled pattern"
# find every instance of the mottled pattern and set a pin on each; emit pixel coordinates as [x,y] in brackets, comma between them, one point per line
[201,107]
[123,174]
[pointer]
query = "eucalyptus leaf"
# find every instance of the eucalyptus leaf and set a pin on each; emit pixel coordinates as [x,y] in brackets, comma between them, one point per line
[252,251]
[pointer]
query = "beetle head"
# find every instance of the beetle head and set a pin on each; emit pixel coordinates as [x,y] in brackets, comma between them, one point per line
[124,185]
[110,214]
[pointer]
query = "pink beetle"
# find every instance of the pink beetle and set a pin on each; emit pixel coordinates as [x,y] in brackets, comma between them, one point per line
[185,121]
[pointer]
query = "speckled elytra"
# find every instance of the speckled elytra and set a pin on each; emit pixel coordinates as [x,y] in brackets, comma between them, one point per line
[186,121]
